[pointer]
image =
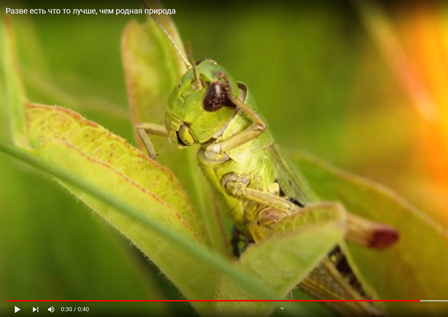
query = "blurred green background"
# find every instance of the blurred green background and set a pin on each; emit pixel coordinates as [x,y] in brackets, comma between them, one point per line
[322,80]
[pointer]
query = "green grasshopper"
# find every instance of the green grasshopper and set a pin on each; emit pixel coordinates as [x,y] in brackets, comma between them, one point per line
[239,157]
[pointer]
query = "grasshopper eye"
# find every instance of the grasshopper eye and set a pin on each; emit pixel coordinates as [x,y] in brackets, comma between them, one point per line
[215,98]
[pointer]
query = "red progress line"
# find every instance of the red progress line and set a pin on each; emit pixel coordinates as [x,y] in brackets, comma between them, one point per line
[206,300]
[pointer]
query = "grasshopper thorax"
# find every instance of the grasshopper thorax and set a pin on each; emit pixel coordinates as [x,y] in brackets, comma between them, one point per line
[199,107]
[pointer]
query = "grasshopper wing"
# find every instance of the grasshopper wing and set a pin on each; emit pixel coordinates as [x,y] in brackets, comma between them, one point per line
[290,179]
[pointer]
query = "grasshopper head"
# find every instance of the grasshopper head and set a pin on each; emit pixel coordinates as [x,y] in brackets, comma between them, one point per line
[199,106]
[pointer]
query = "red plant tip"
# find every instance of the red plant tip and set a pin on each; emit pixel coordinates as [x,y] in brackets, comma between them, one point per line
[384,238]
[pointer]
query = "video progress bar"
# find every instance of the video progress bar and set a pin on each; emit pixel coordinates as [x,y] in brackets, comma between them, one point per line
[434,300]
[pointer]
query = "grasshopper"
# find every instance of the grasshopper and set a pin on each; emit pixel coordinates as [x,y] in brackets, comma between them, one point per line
[240,158]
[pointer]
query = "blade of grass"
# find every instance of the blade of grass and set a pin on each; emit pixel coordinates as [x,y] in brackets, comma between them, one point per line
[380,28]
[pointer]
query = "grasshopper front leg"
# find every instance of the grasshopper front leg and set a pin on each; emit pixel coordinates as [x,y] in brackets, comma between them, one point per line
[143,129]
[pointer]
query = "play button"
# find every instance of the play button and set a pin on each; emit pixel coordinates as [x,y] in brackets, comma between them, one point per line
[16,309]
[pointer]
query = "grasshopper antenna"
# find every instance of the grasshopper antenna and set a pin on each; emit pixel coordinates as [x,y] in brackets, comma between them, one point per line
[169,36]
[197,83]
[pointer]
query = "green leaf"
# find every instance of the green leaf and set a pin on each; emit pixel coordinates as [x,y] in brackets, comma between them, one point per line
[152,68]
[414,268]
[286,257]
[312,214]
[83,145]
[15,94]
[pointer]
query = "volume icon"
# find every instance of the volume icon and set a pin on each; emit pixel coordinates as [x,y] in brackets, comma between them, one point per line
[51,309]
